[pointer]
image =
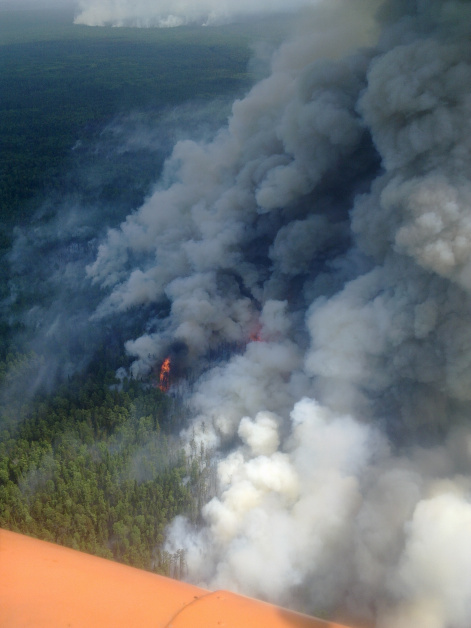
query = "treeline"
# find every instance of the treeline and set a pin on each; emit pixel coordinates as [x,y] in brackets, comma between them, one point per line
[96,468]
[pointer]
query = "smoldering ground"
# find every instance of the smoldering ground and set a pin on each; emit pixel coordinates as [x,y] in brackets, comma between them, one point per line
[325,228]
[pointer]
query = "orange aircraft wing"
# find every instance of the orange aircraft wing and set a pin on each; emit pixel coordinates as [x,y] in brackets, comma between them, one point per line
[43,585]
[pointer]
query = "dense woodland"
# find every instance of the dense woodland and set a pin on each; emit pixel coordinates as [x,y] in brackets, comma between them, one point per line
[97,467]
[91,462]
[61,82]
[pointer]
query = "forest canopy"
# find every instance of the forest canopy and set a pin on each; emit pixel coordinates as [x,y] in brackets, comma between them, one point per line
[98,467]
[93,462]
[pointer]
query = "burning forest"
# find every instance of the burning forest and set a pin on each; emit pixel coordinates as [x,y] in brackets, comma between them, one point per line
[334,209]
[164,375]
[309,267]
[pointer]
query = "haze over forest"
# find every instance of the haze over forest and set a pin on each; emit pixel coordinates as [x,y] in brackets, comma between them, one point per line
[274,211]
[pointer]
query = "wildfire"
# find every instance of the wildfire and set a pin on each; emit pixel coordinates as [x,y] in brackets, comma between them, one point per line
[164,377]
[255,336]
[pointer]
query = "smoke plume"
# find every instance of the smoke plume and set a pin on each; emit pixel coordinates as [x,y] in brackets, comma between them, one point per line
[171,13]
[326,229]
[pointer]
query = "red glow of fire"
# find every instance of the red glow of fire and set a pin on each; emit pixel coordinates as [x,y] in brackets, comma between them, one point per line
[164,377]
[256,334]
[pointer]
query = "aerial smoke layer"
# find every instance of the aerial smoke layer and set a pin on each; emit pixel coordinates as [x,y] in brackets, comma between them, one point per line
[170,13]
[326,229]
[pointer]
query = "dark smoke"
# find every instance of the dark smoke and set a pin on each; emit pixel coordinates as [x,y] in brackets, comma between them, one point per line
[50,304]
[333,213]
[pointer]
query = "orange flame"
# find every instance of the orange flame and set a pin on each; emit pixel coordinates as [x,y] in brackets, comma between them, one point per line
[256,334]
[164,377]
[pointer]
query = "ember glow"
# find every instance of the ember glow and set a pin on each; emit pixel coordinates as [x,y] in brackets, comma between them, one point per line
[164,376]
[255,334]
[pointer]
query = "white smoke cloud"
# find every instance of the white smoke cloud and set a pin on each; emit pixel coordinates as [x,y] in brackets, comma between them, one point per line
[433,576]
[326,230]
[169,13]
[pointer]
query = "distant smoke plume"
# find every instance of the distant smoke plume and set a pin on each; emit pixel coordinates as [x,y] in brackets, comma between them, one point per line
[169,13]
[332,216]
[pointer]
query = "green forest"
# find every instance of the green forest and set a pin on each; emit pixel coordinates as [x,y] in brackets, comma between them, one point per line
[60,82]
[90,461]
[97,467]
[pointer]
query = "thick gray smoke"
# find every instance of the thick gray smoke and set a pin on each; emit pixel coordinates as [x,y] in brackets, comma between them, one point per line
[330,222]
